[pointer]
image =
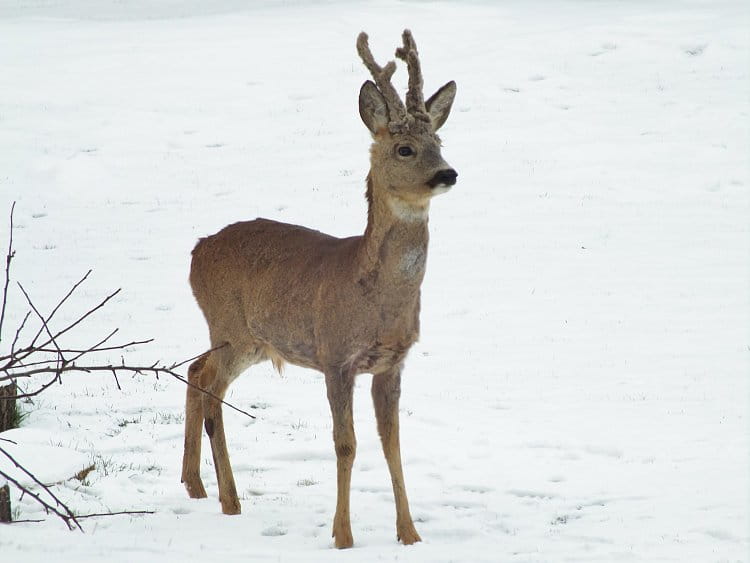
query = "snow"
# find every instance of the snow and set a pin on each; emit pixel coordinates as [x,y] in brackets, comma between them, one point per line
[580,390]
[49,464]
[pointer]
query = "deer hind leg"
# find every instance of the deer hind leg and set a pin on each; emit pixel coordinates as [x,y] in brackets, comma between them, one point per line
[386,391]
[340,387]
[227,362]
[193,428]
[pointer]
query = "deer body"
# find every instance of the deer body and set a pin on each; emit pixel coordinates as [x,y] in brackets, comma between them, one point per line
[348,306]
[338,309]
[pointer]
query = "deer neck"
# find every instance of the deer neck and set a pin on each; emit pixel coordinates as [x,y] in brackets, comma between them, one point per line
[395,241]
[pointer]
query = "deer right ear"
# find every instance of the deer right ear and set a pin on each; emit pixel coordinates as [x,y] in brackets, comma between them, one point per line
[372,107]
[439,104]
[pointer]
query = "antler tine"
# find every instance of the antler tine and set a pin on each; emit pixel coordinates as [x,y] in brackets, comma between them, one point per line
[408,53]
[382,76]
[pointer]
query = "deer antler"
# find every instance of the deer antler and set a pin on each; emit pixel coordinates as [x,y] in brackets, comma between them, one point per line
[414,97]
[382,76]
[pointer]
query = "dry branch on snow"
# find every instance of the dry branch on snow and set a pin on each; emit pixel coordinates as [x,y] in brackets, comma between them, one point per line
[43,356]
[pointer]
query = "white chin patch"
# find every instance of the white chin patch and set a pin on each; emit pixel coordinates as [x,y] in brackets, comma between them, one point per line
[440,189]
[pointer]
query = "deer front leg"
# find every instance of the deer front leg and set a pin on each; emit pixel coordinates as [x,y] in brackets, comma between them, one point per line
[193,428]
[386,391]
[340,387]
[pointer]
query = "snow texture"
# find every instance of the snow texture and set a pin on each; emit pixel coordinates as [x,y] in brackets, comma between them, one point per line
[580,389]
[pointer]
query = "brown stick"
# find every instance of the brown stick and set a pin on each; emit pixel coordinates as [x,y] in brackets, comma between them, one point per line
[66,515]
[6,514]
[8,258]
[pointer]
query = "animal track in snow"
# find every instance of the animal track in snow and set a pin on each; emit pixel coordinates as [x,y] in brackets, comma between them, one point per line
[276,530]
[478,489]
[603,48]
[524,493]
[695,50]
[372,489]
[461,504]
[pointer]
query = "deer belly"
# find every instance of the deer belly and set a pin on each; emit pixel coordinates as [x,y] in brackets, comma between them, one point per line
[378,358]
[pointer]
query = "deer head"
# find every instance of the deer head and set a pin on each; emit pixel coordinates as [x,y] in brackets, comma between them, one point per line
[406,165]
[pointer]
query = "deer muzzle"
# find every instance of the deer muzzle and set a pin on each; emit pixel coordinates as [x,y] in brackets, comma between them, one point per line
[443,178]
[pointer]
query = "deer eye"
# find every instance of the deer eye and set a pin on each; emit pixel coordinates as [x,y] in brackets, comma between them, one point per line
[405,151]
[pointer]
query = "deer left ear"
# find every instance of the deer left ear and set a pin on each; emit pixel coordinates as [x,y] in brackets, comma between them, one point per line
[439,104]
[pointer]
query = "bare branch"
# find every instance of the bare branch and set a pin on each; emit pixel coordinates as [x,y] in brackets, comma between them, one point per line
[44,356]
[18,333]
[63,512]
[119,513]
[43,388]
[142,370]
[61,362]
[98,348]
[81,318]
[95,346]
[59,304]
[8,259]
[206,353]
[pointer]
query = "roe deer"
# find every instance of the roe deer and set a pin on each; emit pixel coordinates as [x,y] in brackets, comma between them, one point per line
[345,306]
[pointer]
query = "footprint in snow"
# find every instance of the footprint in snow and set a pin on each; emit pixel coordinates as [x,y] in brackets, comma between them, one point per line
[603,451]
[695,50]
[523,493]
[604,48]
[277,530]
[478,489]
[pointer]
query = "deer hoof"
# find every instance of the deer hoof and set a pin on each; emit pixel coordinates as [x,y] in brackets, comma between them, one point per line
[343,541]
[408,535]
[342,535]
[231,507]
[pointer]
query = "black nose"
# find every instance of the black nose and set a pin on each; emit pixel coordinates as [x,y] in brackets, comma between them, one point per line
[444,177]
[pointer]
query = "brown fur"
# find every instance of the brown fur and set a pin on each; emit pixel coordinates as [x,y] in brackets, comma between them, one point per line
[347,306]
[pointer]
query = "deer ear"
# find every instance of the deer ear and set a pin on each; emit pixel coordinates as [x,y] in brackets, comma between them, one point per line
[439,104]
[372,107]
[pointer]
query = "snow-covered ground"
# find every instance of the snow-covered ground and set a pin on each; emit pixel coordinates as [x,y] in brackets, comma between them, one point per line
[580,391]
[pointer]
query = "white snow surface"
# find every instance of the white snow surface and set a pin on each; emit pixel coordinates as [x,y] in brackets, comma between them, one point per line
[580,389]
[48,464]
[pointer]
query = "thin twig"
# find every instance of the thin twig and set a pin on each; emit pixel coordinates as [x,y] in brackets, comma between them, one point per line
[95,346]
[8,259]
[18,333]
[61,361]
[142,370]
[98,348]
[117,381]
[206,353]
[80,319]
[67,516]
[59,304]
[118,513]
[39,391]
